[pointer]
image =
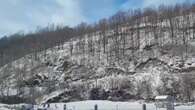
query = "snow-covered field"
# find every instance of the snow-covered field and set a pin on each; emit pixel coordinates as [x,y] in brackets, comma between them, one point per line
[102,105]
[108,105]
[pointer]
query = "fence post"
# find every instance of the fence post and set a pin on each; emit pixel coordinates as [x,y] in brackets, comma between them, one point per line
[96,107]
[64,106]
[144,107]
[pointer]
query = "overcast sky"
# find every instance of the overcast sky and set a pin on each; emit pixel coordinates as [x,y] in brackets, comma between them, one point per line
[26,15]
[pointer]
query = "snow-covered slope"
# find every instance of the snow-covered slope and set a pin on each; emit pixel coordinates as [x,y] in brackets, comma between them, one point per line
[126,68]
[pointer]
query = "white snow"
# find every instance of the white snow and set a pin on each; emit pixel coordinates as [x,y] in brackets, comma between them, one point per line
[109,105]
[161,97]
[102,105]
[47,97]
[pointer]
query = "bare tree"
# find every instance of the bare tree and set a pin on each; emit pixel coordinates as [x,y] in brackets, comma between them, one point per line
[20,78]
[188,85]
[103,27]
[137,15]
[71,47]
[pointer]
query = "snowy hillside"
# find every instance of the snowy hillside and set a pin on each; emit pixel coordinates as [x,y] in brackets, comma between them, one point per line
[119,65]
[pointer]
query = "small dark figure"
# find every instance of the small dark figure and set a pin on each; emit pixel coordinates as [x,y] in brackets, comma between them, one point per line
[96,107]
[144,106]
[44,105]
[56,106]
[48,105]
